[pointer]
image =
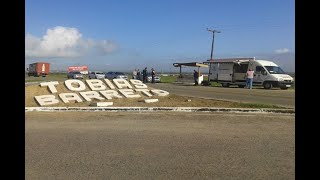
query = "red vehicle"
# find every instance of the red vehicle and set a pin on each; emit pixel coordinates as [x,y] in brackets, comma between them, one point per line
[39,69]
[82,69]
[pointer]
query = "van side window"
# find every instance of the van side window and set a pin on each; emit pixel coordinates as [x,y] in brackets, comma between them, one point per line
[242,68]
[259,69]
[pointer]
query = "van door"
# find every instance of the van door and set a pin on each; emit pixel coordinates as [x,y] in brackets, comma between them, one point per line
[225,72]
[239,72]
[259,74]
[214,71]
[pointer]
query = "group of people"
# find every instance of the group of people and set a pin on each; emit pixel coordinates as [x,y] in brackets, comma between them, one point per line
[143,76]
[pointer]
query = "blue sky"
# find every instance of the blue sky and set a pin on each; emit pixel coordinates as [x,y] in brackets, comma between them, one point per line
[126,34]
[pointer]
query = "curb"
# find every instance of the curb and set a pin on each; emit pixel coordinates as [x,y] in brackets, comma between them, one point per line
[159,109]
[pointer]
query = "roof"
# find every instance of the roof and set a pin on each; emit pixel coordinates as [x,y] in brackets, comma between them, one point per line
[40,63]
[228,60]
[266,63]
[190,64]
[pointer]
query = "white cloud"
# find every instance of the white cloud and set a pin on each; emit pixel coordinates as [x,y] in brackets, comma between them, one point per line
[106,47]
[64,42]
[282,51]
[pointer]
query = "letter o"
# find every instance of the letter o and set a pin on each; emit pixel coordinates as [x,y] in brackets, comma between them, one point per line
[69,83]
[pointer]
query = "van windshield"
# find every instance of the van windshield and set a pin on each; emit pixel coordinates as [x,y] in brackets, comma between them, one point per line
[274,70]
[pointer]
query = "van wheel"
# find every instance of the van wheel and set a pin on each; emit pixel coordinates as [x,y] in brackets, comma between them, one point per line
[225,85]
[267,85]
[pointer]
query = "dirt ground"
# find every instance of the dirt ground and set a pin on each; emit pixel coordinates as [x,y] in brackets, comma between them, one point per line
[168,101]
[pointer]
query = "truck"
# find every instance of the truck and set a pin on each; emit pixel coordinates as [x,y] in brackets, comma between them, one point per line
[39,69]
[232,71]
[81,69]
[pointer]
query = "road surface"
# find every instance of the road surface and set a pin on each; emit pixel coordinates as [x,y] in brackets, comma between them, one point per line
[158,145]
[284,98]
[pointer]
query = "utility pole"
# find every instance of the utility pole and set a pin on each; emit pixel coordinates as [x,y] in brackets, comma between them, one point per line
[213,31]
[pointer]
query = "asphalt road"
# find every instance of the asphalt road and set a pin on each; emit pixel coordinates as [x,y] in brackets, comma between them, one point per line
[108,145]
[284,98]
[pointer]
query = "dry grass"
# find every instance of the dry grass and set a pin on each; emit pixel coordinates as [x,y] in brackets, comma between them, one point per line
[168,101]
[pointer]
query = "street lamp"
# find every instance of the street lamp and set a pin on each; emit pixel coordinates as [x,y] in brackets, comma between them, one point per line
[213,31]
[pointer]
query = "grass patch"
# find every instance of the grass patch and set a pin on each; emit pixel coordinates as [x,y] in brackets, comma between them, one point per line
[215,84]
[168,79]
[256,105]
[50,77]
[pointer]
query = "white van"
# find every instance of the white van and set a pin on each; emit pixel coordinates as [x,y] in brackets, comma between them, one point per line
[232,71]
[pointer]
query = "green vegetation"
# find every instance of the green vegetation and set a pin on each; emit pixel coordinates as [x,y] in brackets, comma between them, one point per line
[215,84]
[50,77]
[63,77]
[256,105]
[168,79]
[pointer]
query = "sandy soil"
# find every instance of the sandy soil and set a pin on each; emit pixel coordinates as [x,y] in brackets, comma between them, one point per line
[168,101]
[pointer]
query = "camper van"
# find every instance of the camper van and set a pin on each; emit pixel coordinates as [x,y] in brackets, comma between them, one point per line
[232,71]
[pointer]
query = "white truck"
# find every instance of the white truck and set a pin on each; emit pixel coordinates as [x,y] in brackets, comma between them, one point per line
[232,71]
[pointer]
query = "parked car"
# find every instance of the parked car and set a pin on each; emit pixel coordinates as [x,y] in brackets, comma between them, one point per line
[157,79]
[116,75]
[96,75]
[74,75]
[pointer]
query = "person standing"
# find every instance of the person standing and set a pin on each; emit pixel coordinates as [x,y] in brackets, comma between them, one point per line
[195,76]
[145,75]
[249,80]
[134,74]
[153,74]
[138,75]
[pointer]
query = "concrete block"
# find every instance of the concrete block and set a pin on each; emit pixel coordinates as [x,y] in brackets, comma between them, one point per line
[138,84]
[151,100]
[46,100]
[67,97]
[144,91]
[50,85]
[159,92]
[101,104]
[96,84]
[110,93]
[80,86]
[122,83]
[128,93]
[88,95]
